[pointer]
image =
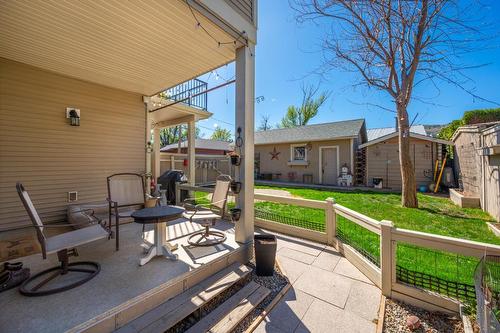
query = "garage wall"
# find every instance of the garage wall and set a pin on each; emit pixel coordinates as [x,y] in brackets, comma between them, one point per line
[467,161]
[281,165]
[39,148]
[382,161]
[490,198]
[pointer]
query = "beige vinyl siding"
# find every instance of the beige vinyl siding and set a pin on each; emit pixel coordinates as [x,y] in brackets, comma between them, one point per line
[491,174]
[39,148]
[281,165]
[383,162]
[467,161]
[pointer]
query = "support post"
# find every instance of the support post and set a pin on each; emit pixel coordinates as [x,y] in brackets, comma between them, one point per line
[149,173]
[191,151]
[245,92]
[331,222]
[172,162]
[177,194]
[387,257]
[156,150]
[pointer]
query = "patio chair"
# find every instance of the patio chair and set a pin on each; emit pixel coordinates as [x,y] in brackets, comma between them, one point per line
[64,245]
[208,215]
[124,190]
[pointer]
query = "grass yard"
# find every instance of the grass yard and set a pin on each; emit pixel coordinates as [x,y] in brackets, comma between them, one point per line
[439,271]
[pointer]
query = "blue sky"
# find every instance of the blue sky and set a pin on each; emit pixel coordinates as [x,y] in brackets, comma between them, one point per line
[287,53]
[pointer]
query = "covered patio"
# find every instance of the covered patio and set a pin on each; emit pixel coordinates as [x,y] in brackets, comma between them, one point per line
[122,289]
[114,63]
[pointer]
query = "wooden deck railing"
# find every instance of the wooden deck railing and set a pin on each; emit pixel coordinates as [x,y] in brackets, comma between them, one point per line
[385,275]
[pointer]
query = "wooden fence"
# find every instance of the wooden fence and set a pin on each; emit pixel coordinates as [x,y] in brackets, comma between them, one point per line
[385,275]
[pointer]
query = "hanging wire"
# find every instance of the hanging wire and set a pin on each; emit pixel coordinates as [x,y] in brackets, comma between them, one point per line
[219,43]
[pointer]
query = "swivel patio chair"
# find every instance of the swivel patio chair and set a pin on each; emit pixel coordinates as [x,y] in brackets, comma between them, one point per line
[207,215]
[124,190]
[64,245]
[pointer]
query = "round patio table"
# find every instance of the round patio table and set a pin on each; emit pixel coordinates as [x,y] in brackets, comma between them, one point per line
[159,216]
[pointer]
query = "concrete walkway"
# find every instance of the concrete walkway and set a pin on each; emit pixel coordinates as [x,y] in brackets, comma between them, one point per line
[328,293]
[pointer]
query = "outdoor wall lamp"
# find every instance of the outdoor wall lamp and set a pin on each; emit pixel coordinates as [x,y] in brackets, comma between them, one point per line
[74,116]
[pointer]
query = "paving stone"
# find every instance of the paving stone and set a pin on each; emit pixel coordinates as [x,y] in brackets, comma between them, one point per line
[327,286]
[301,245]
[293,268]
[296,255]
[327,260]
[344,267]
[364,300]
[322,317]
[288,313]
[266,327]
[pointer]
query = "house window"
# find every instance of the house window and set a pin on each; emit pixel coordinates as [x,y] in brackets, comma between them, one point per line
[299,152]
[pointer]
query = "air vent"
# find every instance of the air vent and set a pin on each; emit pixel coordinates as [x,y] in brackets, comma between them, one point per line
[72,196]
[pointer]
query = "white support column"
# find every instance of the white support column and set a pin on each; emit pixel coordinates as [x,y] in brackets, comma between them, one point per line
[148,149]
[331,222]
[156,151]
[191,152]
[245,97]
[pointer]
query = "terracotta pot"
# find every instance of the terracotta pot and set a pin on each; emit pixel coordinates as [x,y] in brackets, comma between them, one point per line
[151,202]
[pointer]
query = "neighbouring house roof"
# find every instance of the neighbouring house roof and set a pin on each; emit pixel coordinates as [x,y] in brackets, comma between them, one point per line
[413,135]
[375,133]
[203,144]
[318,132]
[481,127]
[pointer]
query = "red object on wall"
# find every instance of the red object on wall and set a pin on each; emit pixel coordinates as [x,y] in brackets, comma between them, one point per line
[185,162]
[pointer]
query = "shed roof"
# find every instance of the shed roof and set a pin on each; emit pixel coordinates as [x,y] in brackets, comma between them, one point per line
[413,135]
[317,132]
[203,144]
[375,133]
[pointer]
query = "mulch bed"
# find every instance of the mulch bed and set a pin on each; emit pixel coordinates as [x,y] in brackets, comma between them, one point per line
[396,314]
[274,283]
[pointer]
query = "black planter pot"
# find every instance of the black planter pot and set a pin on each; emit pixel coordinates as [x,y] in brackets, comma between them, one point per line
[235,214]
[235,187]
[235,160]
[265,254]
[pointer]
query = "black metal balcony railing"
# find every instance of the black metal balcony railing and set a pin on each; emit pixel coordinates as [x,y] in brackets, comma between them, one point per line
[192,93]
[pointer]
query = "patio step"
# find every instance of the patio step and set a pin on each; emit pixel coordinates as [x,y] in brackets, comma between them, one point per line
[226,316]
[179,307]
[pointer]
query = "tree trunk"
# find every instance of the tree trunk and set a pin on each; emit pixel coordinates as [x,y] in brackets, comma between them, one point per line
[409,183]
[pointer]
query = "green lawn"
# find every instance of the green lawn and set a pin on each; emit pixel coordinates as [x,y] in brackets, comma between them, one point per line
[443,272]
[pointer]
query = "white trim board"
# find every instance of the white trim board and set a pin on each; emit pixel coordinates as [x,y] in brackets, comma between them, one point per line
[321,160]
[412,135]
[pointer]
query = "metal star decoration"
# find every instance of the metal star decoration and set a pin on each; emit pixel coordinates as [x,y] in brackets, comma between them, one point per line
[274,154]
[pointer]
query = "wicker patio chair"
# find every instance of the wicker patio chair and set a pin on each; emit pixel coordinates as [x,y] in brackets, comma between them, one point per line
[207,215]
[64,245]
[124,190]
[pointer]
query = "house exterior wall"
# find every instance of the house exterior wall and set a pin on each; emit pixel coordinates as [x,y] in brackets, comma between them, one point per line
[267,165]
[467,161]
[382,161]
[39,148]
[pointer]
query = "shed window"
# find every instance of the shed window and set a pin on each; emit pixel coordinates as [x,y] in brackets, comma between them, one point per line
[299,152]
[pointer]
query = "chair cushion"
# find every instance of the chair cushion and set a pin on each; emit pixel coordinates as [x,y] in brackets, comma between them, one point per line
[201,215]
[75,238]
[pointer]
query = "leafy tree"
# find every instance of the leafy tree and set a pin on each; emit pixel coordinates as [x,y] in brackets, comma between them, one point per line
[264,123]
[301,115]
[470,118]
[222,134]
[169,135]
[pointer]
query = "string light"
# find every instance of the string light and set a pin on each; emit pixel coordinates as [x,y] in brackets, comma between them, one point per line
[219,43]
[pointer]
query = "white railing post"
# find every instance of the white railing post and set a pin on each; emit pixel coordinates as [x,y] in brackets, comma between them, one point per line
[177,194]
[387,259]
[331,222]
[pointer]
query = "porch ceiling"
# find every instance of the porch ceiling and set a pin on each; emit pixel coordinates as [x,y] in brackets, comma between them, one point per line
[139,46]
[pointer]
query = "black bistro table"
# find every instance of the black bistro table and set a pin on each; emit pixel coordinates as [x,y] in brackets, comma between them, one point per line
[159,216]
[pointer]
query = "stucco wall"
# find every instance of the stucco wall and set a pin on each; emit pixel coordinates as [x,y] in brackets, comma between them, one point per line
[39,148]
[382,161]
[281,164]
[491,172]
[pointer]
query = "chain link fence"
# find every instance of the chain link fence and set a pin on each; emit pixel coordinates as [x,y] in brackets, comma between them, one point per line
[487,283]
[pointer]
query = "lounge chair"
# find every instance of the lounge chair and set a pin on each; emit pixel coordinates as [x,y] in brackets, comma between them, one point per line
[124,190]
[207,215]
[64,245]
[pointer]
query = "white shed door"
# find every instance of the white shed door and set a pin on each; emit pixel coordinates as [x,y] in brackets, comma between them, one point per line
[329,166]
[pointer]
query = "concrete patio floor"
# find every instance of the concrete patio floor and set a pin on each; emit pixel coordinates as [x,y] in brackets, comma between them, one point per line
[328,293]
[121,278]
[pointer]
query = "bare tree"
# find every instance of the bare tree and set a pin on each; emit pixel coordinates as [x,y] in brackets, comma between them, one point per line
[395,45]
[265,124]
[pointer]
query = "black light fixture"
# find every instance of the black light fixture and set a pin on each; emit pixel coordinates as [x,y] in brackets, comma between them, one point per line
[74,116]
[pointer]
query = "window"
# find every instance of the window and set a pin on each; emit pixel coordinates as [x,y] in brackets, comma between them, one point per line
[299,152]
